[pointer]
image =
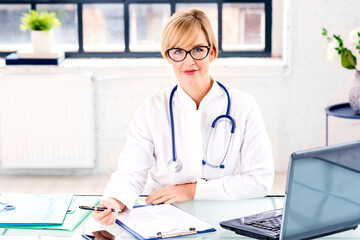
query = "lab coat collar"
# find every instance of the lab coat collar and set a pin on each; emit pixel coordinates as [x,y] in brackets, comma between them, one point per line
[187,101]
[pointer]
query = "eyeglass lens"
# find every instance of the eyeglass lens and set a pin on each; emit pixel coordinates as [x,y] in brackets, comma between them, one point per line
[197,53]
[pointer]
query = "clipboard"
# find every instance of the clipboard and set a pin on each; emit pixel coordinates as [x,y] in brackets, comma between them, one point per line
[34,209]
[150,222]
[74,216]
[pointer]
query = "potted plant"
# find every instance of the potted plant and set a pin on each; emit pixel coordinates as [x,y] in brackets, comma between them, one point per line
[336,49]
[40,24]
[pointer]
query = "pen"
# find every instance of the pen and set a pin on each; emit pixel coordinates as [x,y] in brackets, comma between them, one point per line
[92,208]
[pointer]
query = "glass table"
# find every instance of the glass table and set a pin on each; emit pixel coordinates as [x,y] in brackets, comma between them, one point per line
[211,212]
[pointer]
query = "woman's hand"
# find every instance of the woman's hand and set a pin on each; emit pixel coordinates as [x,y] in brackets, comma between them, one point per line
[171,194]
[108,217]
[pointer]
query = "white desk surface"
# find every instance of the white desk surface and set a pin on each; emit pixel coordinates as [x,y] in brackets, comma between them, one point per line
[211,212]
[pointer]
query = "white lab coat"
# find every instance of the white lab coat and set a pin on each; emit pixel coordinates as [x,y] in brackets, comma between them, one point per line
[248,171]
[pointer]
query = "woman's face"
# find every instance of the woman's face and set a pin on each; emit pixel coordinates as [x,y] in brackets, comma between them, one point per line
[191,71]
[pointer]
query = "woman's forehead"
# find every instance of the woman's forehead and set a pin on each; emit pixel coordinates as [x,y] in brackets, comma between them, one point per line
[190,40]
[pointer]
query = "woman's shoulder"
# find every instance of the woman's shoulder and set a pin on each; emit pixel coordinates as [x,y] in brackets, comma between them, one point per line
[241,96]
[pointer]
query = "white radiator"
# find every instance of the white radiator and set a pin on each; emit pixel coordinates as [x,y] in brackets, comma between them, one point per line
[46,121]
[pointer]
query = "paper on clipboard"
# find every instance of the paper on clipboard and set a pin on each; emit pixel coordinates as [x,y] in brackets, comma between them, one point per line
[35,209]
[74,216]
[161,221]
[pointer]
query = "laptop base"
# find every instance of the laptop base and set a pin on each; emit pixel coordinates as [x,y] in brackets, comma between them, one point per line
[263,237]
[254,235]
[248,233]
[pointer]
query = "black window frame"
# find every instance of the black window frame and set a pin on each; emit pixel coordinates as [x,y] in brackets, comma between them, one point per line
[129,54]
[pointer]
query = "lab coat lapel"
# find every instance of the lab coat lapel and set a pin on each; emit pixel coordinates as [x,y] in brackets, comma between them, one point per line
[188,138]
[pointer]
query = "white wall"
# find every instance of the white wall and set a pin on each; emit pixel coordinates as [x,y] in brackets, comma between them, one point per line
[292,95]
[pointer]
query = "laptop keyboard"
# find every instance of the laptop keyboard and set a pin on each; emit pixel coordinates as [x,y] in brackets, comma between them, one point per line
[271,224]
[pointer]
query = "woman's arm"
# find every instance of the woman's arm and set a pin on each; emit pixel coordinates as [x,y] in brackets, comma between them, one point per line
[134,162]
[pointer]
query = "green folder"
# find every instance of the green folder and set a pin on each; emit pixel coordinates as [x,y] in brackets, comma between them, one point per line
[73,219]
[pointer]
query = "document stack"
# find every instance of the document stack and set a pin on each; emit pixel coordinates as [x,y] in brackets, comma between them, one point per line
[58,212]
[29,57]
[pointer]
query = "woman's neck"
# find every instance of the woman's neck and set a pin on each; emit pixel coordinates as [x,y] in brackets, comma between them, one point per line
[197,91]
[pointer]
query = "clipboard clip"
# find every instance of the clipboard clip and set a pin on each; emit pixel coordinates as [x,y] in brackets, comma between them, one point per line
[171,233]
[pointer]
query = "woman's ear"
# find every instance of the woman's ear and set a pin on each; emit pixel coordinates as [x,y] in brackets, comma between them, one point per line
[212,53]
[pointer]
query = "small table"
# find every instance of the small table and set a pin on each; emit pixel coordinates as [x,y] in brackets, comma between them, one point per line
[342,110]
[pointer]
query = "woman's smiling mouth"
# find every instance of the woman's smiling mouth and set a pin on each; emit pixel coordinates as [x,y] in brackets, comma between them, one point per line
[190,72]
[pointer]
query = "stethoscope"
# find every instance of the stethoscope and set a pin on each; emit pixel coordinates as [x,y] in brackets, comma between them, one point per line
[175,165]
[6,207]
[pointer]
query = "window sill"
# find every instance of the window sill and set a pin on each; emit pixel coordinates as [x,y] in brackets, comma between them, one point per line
[221,66]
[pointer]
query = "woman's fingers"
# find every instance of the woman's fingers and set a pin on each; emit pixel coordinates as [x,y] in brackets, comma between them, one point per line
[102,216]
[155,195]
[162,199]
[171,194]
[171,201]
[162,195]
[107,217]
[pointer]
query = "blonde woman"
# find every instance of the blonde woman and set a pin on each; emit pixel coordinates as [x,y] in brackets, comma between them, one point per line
[197,140]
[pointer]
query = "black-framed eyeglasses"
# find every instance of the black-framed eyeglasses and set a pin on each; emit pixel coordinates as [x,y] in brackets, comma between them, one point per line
[197,53]
[6,207]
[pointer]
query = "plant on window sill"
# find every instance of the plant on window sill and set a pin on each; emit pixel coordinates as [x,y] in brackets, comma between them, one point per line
[41,25]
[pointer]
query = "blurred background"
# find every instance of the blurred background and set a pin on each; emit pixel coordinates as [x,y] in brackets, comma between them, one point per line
[63,127]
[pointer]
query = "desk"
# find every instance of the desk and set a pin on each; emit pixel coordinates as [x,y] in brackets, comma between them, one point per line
[211,212]
[342,110]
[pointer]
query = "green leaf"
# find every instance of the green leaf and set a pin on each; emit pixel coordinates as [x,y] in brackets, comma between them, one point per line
[324,32]
[41,21]
[348,60]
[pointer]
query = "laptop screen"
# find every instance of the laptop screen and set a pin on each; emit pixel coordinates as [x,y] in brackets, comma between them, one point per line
[323,191]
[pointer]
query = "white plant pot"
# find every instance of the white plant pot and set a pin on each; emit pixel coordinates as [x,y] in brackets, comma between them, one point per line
[42,41]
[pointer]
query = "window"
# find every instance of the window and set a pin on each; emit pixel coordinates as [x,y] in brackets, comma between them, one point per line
[132,28]
[66,35]
[10,35]
[103,27]
[247,31]
[146,23]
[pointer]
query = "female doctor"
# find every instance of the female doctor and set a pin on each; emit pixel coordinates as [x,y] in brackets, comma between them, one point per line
[197,140]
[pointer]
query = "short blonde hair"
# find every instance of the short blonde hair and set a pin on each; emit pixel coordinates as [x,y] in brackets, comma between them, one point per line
[183,27]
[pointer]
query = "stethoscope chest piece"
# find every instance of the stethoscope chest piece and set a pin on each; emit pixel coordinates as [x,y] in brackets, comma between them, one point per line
[174,166]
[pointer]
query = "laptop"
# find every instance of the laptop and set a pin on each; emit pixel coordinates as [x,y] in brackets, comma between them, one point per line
[322,197]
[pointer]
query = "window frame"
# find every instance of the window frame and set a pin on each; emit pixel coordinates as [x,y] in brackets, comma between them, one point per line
[266,53]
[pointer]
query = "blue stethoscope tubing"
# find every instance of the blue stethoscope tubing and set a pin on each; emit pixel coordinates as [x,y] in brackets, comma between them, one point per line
[7,207]
[174,164]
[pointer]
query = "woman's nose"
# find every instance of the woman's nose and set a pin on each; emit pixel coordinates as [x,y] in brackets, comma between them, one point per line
[188,59]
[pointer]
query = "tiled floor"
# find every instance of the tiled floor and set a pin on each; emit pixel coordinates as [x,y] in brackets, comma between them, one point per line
[89,184]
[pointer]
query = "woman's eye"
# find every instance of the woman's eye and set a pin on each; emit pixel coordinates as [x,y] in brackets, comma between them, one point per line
[178,51]
[197,49]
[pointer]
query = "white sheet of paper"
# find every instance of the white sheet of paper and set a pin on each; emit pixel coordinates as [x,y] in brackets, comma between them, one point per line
[149,220]
[35,209]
